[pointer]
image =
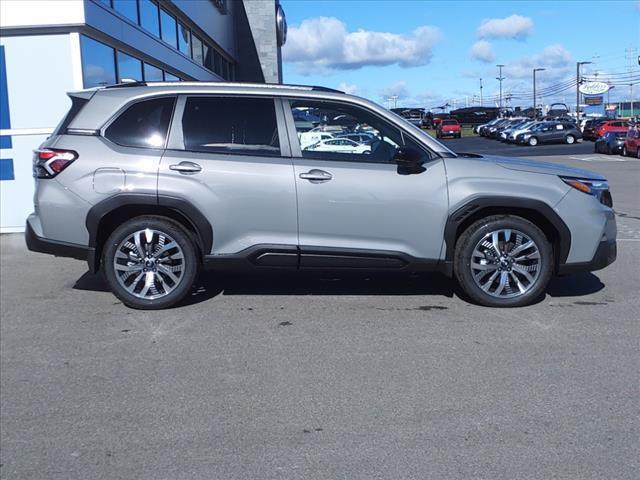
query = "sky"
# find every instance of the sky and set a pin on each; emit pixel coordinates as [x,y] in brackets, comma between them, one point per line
[428,53]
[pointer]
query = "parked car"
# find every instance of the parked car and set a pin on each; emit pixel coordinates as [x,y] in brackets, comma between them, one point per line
[550,132]
[631,145]
[339,145]
[610,142]
[503,132]
[590,128]
[149,183]
[449,128]
[361,138]
[611,126]
[478,129]
[489,130]
[511,137]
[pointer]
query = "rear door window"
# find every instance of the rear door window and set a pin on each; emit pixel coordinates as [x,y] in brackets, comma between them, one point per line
[144,124]
[234,125]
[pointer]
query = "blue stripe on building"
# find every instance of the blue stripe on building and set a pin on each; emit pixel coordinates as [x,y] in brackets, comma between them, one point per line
[5,120]
[6,169]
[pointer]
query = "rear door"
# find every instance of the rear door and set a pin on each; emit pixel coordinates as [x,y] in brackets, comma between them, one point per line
[229,156]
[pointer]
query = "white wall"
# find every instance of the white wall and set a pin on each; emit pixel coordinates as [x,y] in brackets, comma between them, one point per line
[37,89]
[31,13]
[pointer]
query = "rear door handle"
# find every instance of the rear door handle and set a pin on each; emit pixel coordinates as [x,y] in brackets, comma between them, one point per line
[186,167]
[316,176]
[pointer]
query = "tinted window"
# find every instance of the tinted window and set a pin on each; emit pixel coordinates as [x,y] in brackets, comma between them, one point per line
[336,120]
[144,124]
[98,63]
[184,39]
[149,16]
[128,8]
[196,49]
[152,74]
[129,67]
[231,125]
[168,28]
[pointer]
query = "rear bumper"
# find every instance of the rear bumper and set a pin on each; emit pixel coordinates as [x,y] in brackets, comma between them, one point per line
[39,244]
[605,255]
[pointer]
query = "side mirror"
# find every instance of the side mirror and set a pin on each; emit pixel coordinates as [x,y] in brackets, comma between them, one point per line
[409,160]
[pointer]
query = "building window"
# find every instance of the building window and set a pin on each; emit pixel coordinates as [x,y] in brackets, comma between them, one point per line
[149,16]
[144,124]
[221,125]
[98,63]
[168,28]
[196,50]
[129,67]
[168,77]
[128,8]
[184,39]
[152,74]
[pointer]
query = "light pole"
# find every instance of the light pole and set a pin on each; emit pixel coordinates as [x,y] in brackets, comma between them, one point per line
[578,88]
[500,78]
[481,103]
[535,109]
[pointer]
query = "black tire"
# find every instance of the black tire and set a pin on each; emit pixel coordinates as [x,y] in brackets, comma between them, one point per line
[595,148]
[608,150]
[467,243]
[174,231]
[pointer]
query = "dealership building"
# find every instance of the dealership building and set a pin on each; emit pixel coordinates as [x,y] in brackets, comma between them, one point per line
[48,48]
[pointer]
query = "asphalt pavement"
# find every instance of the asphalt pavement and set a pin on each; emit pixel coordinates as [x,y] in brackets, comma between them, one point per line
[323,376]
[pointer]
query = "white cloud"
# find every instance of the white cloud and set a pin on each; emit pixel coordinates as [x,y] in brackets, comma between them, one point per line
[351,89]
[398,89]
[514,26]
[482,50]
[555,58]
[323,44]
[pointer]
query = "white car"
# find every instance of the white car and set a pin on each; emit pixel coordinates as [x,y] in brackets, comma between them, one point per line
[339,145]
[313,136]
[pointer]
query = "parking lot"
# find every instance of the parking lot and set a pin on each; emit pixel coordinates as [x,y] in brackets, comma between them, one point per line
[326,376]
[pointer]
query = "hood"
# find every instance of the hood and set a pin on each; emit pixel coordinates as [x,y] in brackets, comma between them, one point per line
[535,166]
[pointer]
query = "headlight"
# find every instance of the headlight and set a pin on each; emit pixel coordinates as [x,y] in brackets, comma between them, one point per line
[596,188]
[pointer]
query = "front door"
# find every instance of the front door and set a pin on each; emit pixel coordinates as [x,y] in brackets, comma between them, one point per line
[357,202]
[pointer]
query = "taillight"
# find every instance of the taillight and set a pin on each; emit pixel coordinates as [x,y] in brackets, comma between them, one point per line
[49,162]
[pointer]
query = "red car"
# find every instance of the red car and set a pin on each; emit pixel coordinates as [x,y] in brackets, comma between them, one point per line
[611,126]
[449,128]
[632,143]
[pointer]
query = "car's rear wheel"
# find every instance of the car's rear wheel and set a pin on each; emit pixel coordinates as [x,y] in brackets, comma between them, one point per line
[503,261]
[570,139]
[150,262]
[533,141]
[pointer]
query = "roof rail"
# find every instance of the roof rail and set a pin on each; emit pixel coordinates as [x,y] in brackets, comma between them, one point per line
[127,84]
[315,88]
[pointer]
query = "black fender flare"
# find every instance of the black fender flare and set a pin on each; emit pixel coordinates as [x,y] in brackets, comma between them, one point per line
[198,221]
[472,206]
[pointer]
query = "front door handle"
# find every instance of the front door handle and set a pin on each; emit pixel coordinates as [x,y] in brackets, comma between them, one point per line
[186,167]
[316,176]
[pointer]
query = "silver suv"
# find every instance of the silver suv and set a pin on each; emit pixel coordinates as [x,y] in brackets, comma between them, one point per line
[151,182]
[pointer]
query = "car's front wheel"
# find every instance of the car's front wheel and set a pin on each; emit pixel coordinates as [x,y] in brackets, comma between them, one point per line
[533,141]
[150,262]
[503,261]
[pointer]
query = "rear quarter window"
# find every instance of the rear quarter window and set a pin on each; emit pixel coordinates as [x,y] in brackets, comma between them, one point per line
[76,105]
[144,124]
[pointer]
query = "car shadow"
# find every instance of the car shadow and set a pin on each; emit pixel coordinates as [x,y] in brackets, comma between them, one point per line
[210,284]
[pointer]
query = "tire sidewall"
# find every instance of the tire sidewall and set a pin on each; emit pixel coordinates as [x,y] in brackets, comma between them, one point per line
[172,229]
[469,239]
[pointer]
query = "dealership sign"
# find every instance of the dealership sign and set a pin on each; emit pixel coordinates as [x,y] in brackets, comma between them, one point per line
[594,100]
[593,88]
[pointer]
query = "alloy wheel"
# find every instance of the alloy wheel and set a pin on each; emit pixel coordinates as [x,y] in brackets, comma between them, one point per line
[149,264]
[505,263]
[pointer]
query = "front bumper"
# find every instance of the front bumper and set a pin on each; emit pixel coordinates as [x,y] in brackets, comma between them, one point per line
[605,255]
